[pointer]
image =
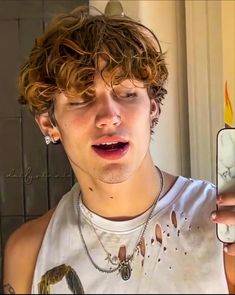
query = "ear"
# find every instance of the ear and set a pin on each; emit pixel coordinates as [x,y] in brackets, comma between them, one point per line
[154,109]
[47,128]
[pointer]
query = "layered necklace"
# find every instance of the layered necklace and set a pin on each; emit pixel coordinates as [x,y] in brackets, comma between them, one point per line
[123,266]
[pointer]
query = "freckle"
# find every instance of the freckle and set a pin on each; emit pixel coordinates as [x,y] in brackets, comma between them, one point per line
[159,260]
[164,249]
[170,267]
[185,218]
[111,197]
[167,225]
[148,256]
[189,227]
[176,249]
[168,235]
[152,241]
[185,253]
[163,231]
[90,189]
[198,227]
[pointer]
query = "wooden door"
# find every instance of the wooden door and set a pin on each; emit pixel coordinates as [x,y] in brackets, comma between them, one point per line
[33,177]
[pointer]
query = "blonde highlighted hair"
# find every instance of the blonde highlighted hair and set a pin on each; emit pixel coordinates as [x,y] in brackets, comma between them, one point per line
[65,57]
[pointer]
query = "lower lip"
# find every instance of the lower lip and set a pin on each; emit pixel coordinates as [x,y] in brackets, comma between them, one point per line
[112,155]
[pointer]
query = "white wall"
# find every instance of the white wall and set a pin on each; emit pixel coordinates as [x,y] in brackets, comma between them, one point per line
[205,84]
[228,40]
[170,143]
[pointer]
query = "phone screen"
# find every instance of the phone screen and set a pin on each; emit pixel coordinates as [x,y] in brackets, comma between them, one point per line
[226,177]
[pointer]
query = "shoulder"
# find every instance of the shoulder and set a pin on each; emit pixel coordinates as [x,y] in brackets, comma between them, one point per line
[201,193]
[190,196]
[30,232]
[188,185]
[198,186]
[21,252]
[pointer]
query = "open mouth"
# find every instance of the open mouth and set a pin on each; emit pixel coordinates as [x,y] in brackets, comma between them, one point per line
[110,146]
[111,150]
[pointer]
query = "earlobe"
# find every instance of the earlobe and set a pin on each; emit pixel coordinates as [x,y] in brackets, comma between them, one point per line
[46,126]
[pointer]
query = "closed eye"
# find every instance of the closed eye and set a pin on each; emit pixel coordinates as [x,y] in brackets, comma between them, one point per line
[76,103]
[133,94]
[80,103]
[128,95]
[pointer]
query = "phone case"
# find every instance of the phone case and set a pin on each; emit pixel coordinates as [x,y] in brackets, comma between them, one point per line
[225,177]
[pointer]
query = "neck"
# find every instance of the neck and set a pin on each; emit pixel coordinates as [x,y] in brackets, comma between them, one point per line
[125,200]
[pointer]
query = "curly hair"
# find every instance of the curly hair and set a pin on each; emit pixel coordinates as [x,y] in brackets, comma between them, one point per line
[65,58]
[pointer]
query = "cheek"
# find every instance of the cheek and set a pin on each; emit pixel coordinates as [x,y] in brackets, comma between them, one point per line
[143,117]
[74,122]
[140,124]
[71,131]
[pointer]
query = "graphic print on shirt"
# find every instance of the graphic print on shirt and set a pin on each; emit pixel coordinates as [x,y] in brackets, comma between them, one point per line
[55,275]
[174,248]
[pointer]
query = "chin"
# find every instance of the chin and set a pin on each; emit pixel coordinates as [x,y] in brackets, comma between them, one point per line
[115,173]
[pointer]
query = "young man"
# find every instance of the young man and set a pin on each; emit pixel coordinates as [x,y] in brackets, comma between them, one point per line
[96,83]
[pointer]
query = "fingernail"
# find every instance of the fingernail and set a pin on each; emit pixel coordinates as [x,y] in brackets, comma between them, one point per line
[213,216]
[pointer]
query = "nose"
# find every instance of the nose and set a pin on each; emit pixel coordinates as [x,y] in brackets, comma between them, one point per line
[108,114]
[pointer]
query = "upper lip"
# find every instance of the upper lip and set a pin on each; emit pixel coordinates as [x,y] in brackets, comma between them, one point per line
[109,139]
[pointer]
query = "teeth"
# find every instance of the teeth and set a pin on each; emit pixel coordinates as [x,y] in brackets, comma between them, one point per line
[108,143]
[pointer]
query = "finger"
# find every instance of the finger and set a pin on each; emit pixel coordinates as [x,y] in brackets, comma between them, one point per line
[222,216]
[229,249]
[226,199]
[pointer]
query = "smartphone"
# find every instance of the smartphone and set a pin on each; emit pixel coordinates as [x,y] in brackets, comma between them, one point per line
[225,178]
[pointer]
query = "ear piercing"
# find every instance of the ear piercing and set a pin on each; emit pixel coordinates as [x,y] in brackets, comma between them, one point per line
[49,139]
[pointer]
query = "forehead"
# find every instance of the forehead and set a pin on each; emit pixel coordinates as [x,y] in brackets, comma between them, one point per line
[103,77]
[99,83]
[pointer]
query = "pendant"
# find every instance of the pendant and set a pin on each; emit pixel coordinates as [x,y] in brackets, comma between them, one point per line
[125,270]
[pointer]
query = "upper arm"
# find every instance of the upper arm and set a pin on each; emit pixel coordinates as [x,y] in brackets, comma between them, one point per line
[230,272]
[18,264]
[21,253]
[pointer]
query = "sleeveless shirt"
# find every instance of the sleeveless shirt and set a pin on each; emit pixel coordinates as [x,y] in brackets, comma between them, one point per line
[188,259]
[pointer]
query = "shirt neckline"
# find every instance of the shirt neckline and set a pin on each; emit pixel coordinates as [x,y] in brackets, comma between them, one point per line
[123,227]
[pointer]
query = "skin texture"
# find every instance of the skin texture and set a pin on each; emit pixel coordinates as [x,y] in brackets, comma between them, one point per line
[21,253]
[105,184]
[127,116]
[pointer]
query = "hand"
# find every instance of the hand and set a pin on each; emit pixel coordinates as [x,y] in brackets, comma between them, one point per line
[225,216]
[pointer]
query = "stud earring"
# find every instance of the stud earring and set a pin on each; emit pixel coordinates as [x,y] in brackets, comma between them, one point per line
[49,139]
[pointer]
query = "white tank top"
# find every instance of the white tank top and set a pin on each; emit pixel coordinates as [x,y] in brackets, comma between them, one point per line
[189,259]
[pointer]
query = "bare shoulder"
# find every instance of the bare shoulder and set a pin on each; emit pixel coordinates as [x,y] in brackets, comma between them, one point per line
[21,252]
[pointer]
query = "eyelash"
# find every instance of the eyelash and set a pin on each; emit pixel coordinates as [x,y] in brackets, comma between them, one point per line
[130,95]
[82,103]
[76,103]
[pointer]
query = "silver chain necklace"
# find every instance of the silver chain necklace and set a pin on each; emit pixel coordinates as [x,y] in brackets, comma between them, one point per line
[122,266]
